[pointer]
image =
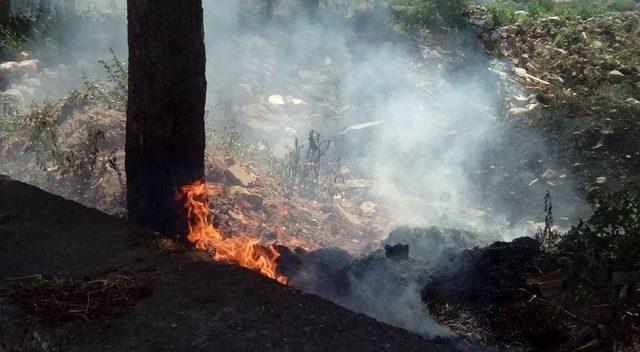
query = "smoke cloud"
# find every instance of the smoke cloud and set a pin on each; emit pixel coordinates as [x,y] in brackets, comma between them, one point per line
[427,134]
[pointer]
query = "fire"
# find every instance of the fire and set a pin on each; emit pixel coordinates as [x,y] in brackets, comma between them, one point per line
[243,250]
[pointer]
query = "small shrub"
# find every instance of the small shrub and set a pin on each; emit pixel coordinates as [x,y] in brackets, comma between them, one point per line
[623,5]
[308,172]
[430,13]
[502,13]
[609,240]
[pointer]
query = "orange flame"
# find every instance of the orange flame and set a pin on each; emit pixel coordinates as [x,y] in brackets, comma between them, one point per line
[244,251]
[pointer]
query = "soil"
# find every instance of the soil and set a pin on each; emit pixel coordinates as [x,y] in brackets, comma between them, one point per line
[193,305]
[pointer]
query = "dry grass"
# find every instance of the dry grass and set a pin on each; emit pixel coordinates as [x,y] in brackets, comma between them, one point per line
[59,299]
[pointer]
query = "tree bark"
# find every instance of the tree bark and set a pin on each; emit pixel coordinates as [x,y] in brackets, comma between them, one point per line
[269,9]
[70,6]
[312,6]
[5,11]
[165,115]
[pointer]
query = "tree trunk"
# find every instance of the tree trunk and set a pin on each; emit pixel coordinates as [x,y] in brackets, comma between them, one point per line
[165,115]
[312,6]
[5,10]
[70,7]
[269,9]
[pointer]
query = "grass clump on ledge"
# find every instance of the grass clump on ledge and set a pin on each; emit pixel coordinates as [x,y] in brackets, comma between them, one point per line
[60,300]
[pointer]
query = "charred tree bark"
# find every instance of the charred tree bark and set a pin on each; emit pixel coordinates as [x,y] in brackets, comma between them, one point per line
[165,115]
[5,11]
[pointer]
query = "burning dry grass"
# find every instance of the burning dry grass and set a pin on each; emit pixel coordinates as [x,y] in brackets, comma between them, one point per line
[59,299]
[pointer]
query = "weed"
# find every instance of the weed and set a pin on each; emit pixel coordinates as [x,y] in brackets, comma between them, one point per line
[609,240]
[309,174]
[430,13]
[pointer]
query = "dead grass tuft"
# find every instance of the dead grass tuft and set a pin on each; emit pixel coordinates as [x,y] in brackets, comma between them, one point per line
[59,299]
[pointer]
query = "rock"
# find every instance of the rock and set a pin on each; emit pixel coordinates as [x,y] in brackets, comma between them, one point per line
[236,216]
[229,161]
[347,217]
[28,67]
[368,207]
[254,200]
[276,99]
[632,101]
[549,174]
[237,176]
[601,180]
[13,69]
[615,76]
[23,56]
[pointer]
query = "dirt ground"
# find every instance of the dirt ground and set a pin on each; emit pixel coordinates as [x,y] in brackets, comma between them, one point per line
[193,305]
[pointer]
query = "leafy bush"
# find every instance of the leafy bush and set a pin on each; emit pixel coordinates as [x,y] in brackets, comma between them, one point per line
[430,13]
[502,13]
[609,240]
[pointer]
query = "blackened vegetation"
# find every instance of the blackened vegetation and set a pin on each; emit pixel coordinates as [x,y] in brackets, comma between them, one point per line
[578,291]
[432,245]
[489,283]
[309,172]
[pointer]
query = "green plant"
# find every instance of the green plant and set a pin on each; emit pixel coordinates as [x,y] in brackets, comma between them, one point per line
[623,5]
[538,8]
[609,240]
[502,13]
[430,13]
[112,90]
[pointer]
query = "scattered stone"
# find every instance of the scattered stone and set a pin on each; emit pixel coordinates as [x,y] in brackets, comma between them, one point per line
[632,101]
[241,194]
[237,176]
[236,216]
[13,69]
[549,174]
[615,76]
[368,207]
[23,56]
[276,99]
[349,218]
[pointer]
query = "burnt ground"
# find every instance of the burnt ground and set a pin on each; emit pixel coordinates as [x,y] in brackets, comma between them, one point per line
[191,304]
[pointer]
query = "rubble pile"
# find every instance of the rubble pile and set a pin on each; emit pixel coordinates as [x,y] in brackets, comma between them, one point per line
[251,201]
[562,58]
[577,81]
